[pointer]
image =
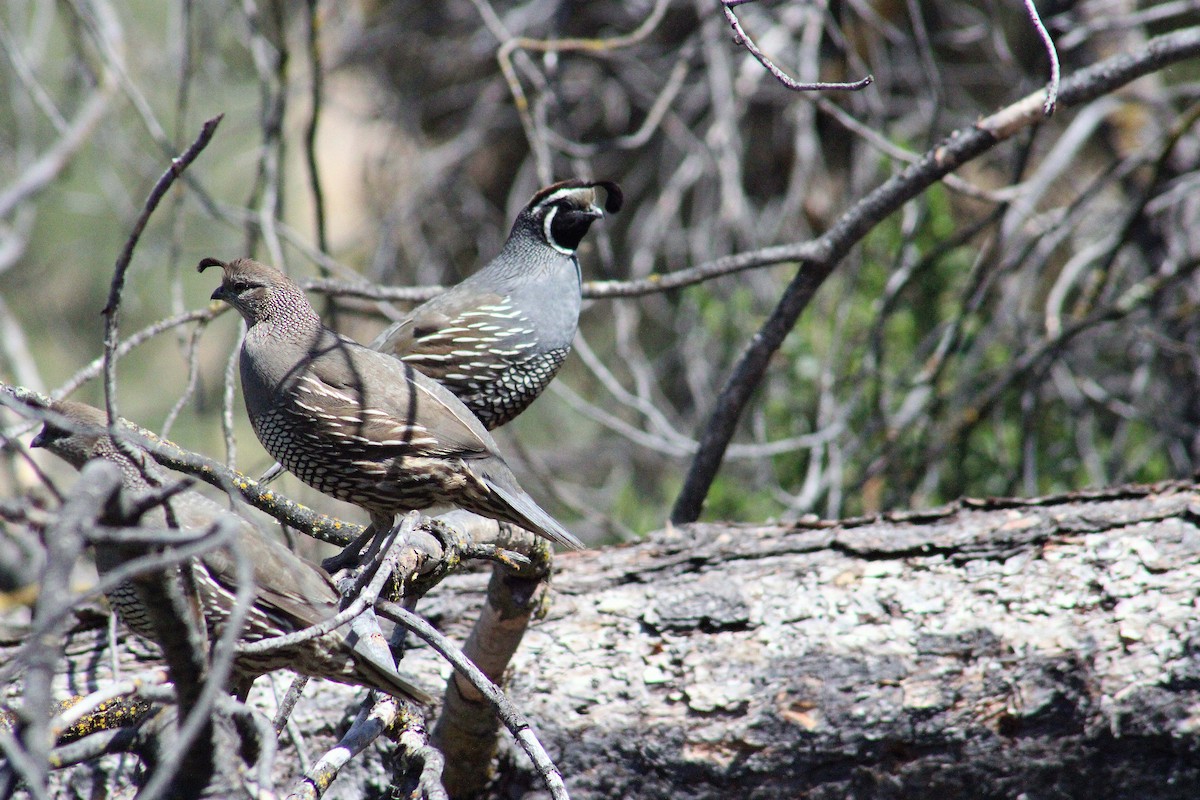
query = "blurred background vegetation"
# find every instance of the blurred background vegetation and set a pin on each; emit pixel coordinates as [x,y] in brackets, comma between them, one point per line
[1026,328]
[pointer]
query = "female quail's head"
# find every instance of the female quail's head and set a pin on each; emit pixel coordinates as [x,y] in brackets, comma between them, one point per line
[259,292]
[77,437]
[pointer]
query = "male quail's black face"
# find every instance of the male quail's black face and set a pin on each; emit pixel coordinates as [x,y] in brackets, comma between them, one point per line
[567,221]
[565,211]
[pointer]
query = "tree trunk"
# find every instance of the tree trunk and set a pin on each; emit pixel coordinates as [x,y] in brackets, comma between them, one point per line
[1039,649]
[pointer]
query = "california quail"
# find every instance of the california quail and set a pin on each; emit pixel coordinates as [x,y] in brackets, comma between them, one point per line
[360,425]
[498,338]
[291,593]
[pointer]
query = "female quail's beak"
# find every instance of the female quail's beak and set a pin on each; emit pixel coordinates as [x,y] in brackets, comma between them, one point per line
[219,293]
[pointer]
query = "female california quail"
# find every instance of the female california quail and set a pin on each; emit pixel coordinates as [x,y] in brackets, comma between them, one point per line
[360,425]
[498,338]
[291,593]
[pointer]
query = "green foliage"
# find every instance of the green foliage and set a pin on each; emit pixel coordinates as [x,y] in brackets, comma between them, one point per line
[729,499]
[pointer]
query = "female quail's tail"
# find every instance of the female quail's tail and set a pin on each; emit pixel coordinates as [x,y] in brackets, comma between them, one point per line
[521,509]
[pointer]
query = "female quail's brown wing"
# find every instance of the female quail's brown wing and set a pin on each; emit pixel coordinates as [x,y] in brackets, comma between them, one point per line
[390,411]
[380,401]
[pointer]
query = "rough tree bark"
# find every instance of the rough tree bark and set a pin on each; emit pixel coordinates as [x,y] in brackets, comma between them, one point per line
[1041,649]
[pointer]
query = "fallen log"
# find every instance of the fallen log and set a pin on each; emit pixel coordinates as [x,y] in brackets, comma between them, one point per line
[1002,648]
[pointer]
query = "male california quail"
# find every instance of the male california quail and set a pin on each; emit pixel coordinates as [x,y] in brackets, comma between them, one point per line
[291,593]
[498,338]
[360,425]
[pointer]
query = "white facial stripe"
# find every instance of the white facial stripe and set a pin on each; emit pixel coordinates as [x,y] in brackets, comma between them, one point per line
[561,194]
[546,223]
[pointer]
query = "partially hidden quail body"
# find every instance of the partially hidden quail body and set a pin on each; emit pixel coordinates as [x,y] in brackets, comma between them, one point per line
[290,593]
[360,425]
[498,338]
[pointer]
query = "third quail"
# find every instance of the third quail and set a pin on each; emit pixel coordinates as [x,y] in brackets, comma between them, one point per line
[290,593]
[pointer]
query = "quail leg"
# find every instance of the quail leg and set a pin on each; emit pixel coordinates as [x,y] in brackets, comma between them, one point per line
[352,556]
[271,474]
[349,557]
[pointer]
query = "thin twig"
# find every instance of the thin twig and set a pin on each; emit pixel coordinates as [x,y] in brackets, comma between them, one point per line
[96,367]
[290,698]
[377,715]
[742,38]
[86,705]
[112,307]
[362,601]
[510,715]
[316,73]
[114,740]
[1051,53]
[229,397]
[813,251]
[511,45]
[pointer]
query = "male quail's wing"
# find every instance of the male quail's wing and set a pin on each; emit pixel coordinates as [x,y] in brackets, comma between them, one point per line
[461,337]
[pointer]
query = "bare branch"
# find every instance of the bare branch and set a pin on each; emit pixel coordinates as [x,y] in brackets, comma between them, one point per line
[1051,53]
[112,307]
[513,719]
[740,37]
